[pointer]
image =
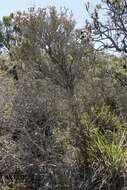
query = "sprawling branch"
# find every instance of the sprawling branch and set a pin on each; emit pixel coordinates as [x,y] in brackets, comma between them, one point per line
[112,31]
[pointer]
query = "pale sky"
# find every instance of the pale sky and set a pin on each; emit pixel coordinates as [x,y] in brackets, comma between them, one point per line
[77,7]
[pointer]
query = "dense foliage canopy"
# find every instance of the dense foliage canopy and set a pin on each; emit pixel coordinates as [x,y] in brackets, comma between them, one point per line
[63,103]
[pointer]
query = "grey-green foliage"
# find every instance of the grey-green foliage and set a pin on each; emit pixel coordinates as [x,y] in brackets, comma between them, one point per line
[65,120]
